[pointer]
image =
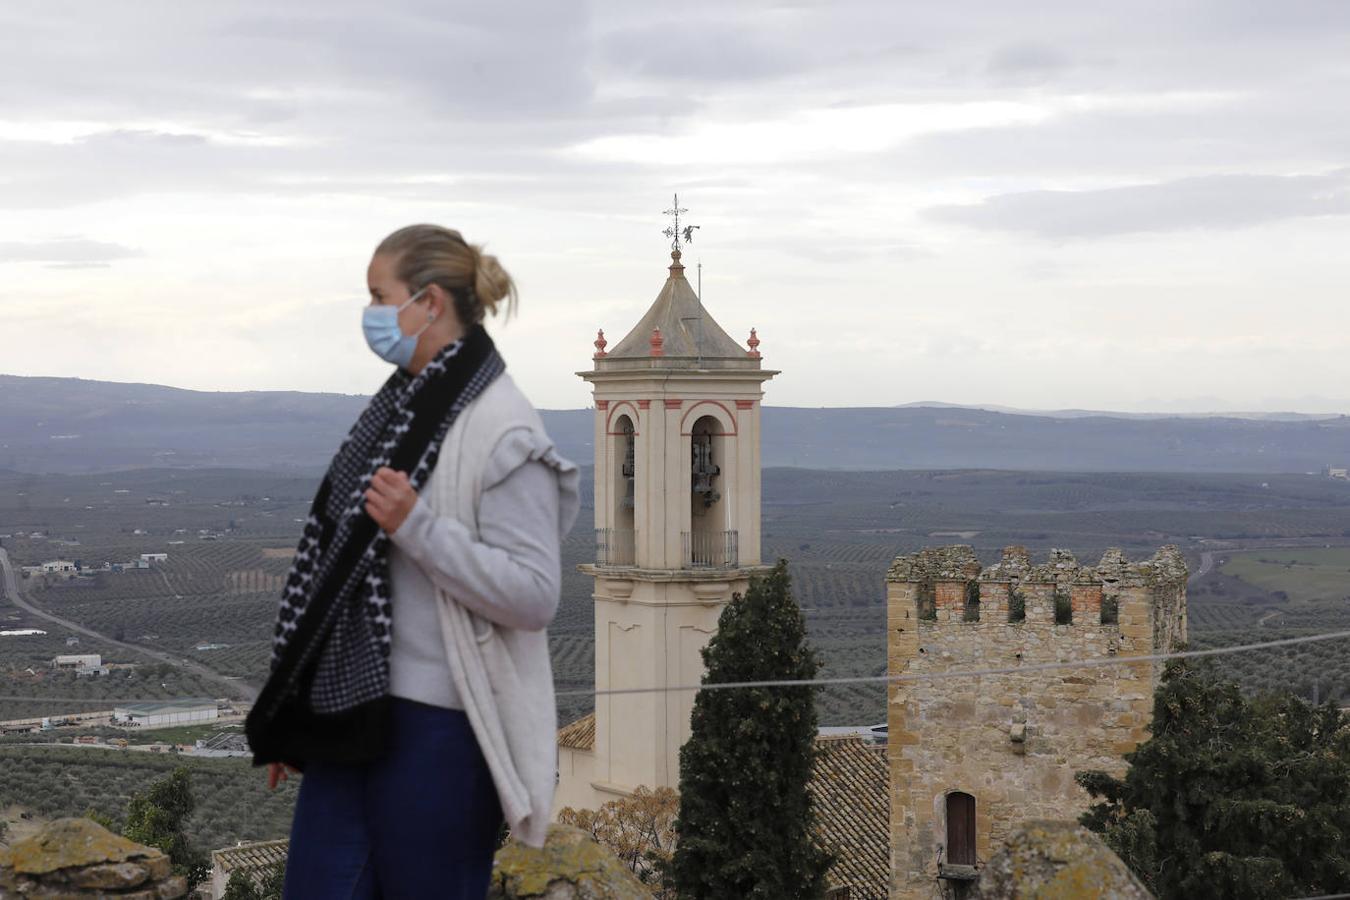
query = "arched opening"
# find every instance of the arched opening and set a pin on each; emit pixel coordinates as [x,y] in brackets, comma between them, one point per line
[615,545]
[960,829]
[708,542]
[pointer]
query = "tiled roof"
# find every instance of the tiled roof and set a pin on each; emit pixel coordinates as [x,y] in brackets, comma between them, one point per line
[580,734]
[852,800]
[249,857]
[687,328]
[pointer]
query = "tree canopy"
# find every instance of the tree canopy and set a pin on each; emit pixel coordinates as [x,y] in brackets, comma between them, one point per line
[1231,796]
[158,818]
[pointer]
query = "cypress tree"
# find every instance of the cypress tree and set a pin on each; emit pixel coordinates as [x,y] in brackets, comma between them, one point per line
[746,826]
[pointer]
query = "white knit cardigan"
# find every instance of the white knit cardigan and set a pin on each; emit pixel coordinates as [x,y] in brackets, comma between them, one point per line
[502,675]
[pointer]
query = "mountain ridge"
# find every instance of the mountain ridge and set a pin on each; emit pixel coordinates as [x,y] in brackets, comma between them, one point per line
[78,425]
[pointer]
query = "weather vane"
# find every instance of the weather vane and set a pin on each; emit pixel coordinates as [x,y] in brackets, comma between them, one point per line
[675,232]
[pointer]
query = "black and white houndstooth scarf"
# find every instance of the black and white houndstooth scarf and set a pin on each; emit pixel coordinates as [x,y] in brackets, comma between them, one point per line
[327,695]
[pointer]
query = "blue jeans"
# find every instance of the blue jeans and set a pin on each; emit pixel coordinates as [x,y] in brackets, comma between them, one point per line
[420,822]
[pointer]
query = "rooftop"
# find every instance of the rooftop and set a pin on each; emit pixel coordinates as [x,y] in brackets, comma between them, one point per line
[677,332]
[853,812]
[146,709]
[578,734]
[249,857]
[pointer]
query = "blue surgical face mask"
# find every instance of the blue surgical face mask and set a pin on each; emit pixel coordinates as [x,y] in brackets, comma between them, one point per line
[385,337]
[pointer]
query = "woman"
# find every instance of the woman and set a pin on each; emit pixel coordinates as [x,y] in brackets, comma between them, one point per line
[410,677]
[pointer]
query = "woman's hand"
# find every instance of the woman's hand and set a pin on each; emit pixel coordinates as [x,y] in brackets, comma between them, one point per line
[390,498]
[276,773]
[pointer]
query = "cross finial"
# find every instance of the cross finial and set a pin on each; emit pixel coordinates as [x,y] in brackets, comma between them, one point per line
[674,231]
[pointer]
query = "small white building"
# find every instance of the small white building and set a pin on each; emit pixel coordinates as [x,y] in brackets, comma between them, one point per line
[58,567]
[1339,472]
[154,557]
[78,661]
[166,712]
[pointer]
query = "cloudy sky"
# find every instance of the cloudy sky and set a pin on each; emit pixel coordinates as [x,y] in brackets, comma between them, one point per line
[1137,206]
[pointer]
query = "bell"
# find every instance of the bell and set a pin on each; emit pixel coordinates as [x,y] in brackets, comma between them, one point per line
[629,470]
[704,470]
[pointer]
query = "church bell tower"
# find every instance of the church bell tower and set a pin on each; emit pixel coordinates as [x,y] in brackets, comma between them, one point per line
[677,530]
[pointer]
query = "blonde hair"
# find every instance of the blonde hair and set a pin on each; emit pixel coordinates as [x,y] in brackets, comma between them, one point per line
[431,254]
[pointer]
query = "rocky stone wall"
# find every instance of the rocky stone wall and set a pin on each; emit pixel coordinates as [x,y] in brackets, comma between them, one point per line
[1014,741]
[73,858]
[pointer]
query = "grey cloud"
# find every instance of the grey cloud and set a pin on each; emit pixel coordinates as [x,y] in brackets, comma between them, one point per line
[1027,62]
[1243,132]
[716,52]
[502,165]
[325,68]
[487,95]
[495,60]
[1210,202]
[70,252]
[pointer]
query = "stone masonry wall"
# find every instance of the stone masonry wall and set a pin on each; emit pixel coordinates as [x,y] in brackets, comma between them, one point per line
[1014,742]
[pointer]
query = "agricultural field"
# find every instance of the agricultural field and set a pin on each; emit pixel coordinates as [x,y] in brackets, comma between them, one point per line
[1273,593]
[171,734]
[229,533]
[233,802]
[1301,576]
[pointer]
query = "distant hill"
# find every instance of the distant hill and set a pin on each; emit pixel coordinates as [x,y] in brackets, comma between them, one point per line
[75,425]
[1080,413]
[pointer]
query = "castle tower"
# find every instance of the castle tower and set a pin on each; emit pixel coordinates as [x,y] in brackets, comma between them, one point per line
[677,532]
[970,758]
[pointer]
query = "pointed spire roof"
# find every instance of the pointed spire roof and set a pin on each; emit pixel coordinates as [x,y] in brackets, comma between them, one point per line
[687,330]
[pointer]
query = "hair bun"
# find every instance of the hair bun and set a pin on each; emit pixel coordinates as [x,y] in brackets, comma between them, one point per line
[432,254]
[491,283]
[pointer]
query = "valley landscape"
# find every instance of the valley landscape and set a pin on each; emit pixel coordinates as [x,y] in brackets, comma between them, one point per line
[1269,555]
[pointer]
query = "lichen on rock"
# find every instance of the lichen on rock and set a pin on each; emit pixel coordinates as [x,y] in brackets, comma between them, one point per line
[570,866]
[77,857]
[1051,860]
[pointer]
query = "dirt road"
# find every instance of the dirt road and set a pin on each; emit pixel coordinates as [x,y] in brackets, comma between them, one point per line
[231,687]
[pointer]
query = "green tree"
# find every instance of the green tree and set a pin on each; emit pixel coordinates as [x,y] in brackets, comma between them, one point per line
[1231,797]
[158,818]
[104,820]
[746,826]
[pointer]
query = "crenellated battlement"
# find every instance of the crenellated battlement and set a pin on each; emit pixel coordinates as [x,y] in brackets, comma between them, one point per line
[948,586]
[959,563]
